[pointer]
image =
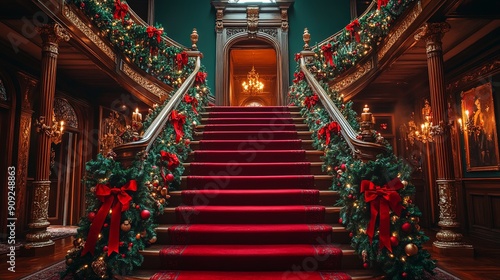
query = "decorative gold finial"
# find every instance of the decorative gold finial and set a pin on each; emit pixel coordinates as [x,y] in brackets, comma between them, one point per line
[306,37]
[194,40]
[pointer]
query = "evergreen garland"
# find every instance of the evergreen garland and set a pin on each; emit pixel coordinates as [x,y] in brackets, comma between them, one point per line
[408,260]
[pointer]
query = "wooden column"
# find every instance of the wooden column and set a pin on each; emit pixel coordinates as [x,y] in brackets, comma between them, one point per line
[449,241]
[38,239]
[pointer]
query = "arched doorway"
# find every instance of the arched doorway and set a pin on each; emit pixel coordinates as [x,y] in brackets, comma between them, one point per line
[257,58]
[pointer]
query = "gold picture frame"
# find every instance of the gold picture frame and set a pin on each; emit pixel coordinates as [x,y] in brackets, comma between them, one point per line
[480,129]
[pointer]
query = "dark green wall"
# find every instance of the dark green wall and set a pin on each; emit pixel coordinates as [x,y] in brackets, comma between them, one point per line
[322,17]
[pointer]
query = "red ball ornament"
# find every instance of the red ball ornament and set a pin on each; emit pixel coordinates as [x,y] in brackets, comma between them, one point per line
[394,241]
[122,243]
[365,265]
[137,206]
[145,214]
[82,5]
[131,244]
[350,196]
[343,167]
[187,142]
[351,234]
[123,255]
[406,227]
[105,225]
[170,177]
[91,216]
[404,274]
[340,220]
[105,249]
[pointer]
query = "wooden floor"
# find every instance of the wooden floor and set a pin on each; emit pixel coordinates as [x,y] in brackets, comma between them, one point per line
[484,265]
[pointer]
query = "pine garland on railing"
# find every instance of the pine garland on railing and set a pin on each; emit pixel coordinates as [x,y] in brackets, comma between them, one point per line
[375,196]
[122,203]
[144,46]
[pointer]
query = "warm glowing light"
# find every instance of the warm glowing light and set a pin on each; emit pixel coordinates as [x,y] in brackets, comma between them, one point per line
[252,85]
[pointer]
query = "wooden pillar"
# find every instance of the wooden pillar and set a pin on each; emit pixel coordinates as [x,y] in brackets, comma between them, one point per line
[38,239]
[449,241]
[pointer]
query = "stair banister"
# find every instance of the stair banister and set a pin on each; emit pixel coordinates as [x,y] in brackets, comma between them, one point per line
[360,149]
[127,152]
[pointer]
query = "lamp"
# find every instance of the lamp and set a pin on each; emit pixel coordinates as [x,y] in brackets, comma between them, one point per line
[55,131]
[427,129]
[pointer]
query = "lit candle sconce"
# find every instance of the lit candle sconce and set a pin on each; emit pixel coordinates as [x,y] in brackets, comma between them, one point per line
[136,116]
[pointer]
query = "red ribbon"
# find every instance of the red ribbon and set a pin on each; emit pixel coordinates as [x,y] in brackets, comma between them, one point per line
[298,77]
[200,77]
[178,120]
[310,101]
[382,199]
[328,53]
[327,130]
[116,199]
[181,59]
[381,3]
[153,31]
[194,102]
[353,28]
[121,10]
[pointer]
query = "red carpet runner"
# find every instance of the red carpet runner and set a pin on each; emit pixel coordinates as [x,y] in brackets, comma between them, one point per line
[250,210]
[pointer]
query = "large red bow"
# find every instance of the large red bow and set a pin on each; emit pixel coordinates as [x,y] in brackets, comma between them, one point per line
[327,131]
[178,120]
[153,31]
[381,3]
[328,53]
[121,10]
[194,102]
[181,59]
[117,200]
[170,158]
[298,77]
[200,77]
[353,28]
[382,199]
[310,101]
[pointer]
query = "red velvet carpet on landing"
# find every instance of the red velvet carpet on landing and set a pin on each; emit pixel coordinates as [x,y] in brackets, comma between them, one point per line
[250,210]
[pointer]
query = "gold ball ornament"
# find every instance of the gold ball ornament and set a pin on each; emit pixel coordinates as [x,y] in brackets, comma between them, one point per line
[405,183]
[164,191]
[69,261]
[138,236]
[411,249]
[125,226]
[99,268]
[153,239]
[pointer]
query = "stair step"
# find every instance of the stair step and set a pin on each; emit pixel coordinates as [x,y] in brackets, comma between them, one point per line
[225,181]
[255,169]
[260,135]
[293,144]
[299,273]
[287,120]
[265,114]
[252,197]
[244,257]
[251,234]
[252,127]
[254,156]
[249,214]
[252,109]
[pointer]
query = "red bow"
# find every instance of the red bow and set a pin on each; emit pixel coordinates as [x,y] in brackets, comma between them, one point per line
[200,77]
[297,56]
[194,102]
[170,158]
[153,31]
[116,199]
[382,199]
[310,101]
[328,53]
[121,10]
[381,3]
[353,28]
[181,59]
[327,130]
[298,77]
[178,120]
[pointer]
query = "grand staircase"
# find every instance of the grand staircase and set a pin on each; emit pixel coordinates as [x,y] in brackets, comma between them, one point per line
[253,204]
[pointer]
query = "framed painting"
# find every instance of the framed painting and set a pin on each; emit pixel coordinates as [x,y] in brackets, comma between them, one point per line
[480,129]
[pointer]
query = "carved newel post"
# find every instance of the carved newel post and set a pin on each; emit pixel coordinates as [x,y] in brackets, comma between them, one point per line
[38,237]
[449,241]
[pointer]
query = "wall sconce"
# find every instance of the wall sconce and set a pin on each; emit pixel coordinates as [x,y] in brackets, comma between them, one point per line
[55,131]
[427,130]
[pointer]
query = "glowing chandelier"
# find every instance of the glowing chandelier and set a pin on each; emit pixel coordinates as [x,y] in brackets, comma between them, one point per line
[252,85]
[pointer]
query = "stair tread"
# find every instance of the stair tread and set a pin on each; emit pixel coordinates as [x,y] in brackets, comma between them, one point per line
[263,227]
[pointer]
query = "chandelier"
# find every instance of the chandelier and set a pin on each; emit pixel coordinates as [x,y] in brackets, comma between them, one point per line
[252,85]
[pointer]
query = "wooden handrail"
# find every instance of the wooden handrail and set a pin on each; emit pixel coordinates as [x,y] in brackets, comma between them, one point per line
[360,149]
[126,153]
